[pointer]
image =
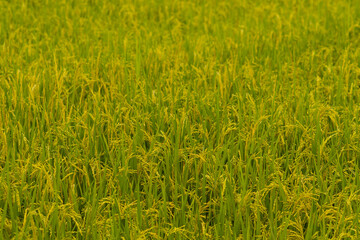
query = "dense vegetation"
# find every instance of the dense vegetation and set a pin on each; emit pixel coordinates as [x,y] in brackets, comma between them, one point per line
[155,119]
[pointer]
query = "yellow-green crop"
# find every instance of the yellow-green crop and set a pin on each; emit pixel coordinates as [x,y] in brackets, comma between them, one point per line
[179,119]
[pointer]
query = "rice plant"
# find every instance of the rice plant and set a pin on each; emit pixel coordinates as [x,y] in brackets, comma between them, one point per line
[182,119]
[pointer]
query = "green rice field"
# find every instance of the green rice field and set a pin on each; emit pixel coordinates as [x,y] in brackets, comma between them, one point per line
[180,119]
